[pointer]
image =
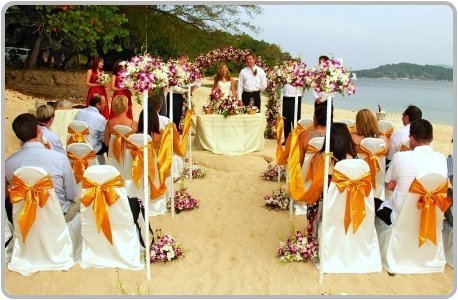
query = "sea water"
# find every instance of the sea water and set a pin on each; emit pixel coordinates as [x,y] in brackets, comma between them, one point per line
[434,98]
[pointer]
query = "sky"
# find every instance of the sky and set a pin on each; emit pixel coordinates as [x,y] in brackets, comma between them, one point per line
[364,36]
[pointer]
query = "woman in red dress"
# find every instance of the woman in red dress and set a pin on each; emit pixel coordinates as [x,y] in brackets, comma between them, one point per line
[94,87]
[115,80]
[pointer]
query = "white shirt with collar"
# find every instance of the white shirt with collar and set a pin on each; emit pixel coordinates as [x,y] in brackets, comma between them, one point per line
[407,165]
[249,82]
[96,123]
[290,91]
[57,165]
[399,137]
[53,140]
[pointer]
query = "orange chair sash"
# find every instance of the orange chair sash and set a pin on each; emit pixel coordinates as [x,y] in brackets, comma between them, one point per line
[47,145]
[310,150]
[279,133]
[427,203]
[357,190]
[32,196]
[388,133]
[77,137]
[80,163]
[119,144]
[103,195]
[404,148]
[372,161]
[180,145]
[164,155]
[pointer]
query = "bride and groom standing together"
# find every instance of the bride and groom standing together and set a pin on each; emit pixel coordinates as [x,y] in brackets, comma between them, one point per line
[252,81]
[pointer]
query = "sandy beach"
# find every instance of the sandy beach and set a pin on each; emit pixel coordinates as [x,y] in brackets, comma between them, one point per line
[231,238]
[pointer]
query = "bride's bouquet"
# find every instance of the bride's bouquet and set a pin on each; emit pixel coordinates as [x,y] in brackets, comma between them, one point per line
[331,77]
[103,78]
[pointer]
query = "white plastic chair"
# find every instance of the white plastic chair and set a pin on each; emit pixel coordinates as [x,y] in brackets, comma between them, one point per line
[96,250]
[77,126]
[399,245]
[317,143]
[353,252]
[159,205]
[122,130]
[375,145]
[386,127]
[48,245]
[305,123]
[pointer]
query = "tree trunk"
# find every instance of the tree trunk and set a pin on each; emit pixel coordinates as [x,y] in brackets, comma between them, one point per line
[57,59]
[67,60]
[31,61]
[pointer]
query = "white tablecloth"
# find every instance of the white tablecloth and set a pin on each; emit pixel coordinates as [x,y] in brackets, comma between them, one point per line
[234,135]
[60,124]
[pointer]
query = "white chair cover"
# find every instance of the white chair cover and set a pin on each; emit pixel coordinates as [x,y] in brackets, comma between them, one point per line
[78,126]
[158,206]
[96,250]
[352,252]
[305,123]
[384,125]
[299,207]
[399,242]
[48,245]
[374,145]
[447,235]
[111,158]
[8,235]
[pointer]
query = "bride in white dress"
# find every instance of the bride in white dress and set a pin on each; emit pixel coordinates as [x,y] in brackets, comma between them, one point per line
[224,82]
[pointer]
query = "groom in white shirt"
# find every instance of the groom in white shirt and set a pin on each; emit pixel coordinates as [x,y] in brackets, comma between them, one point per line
[252,81]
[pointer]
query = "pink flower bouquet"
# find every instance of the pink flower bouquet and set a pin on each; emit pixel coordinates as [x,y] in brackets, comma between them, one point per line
[277,201]
[271,173]
[298,247]
[164,248]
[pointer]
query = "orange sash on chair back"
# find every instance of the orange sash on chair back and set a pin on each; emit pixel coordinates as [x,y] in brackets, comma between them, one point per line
[103,195]
[31,195]
[310,150]
[77,137]
[404,148]
[279,133]
[180,145]
[357,190]
[47,145]
[80,163]
[119,144]
[388,133]
[372,161]
[164,155]
[427,203]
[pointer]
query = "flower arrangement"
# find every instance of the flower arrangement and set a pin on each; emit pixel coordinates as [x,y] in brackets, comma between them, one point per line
[164,248]
[183,200]
[229,105]
[216,94]
[103,78]
[332,77]
[197,172]
[182,74]
[298,247]
[277,201]
[271,173]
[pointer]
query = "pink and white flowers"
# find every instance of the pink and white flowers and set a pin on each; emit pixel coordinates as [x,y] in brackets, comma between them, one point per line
[271,173]
[332,77]
[197,172]
[298,247]
[164,248]
[183,200]
[277,201]
[103,78]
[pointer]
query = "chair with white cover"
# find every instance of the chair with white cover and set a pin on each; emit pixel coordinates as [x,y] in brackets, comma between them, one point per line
[400,246]
[386,127]
[77,132]
[8,237]
[314,146]
[373,151]
[447,236]
[46,243]
[116,153]
[405,146]
[355,250]
[305,123]
[81,156]
[157,206]
[109,235]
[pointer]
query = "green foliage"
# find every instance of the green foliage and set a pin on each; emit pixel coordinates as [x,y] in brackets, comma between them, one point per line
[410,71]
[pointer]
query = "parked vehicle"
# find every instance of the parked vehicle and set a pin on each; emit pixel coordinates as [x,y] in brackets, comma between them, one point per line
[16,54]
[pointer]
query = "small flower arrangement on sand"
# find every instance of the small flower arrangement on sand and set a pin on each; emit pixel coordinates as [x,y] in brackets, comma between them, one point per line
[164,248]
[277,201]
[271,173]
[197,172]
[183,200]
[103,78]
[298,247]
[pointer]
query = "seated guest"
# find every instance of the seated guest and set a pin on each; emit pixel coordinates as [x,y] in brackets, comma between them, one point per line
[156,102]
[33,153]
[401,135]
[367,126]
[64,104]
[408,165]
[318,130]
[96,122]
[153,124]
[119,106]
[45,116]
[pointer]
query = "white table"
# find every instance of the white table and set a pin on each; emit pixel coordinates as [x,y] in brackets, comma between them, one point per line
[234,135]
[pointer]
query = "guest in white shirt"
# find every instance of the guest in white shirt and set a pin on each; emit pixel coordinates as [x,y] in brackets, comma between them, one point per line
[321,99]
[45,116]
[96,122]
[401,135]
[408,165]
[34,154]
[289,97]
[252,81]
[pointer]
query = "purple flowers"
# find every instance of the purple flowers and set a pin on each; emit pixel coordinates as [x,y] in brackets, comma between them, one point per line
[164,248]
[298,247]
[271,173]
[183,200]
[277,201]
[197,172]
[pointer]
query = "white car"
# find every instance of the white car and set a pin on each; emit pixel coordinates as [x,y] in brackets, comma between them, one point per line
[13,53]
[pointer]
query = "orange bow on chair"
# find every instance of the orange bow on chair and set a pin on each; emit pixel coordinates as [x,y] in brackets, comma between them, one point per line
[79,164]
[404,148]
[32,195]
[119,144]
[77,137]
[388,133]
[357,190]
[310,150]
[372,161]
[103,195]
[427,203]
[180,145]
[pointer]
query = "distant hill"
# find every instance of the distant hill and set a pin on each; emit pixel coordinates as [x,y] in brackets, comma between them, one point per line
[408,71]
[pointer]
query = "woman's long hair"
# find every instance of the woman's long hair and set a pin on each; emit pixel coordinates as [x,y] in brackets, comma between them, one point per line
[341,142]
[153,122]
[219,76]
[117,67]
[95,63]
[366,124]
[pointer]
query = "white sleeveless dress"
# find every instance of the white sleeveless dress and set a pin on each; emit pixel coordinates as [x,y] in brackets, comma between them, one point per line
[225,87]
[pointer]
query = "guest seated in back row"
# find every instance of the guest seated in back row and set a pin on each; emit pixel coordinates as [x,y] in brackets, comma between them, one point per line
[119,107]
[318,130]
[156,102]
[367,127]
[34,154]
[153,123]
[92,115]
[45,116]
[408,165]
